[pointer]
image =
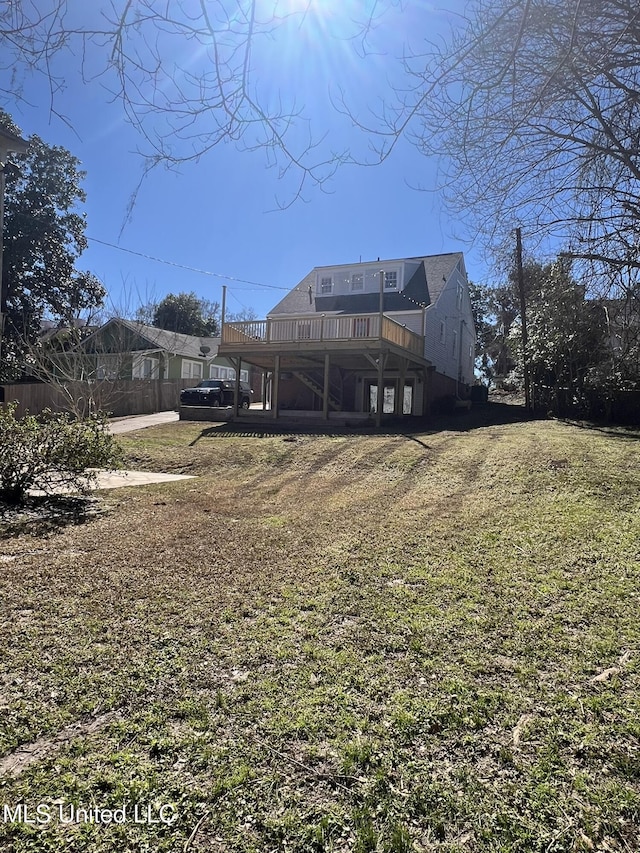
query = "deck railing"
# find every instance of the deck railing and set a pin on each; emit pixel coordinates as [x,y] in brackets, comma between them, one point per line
[308,329]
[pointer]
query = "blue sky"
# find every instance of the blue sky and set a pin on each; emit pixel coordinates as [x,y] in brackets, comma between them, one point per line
[220,215]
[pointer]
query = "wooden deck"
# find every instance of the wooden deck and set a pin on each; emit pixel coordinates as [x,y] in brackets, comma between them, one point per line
[324,352]
[311,333]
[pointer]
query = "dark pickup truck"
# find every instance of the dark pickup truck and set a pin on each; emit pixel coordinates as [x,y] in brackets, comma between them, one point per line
[215,392]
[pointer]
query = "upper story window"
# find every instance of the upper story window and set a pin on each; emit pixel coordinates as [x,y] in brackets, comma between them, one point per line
[459,295]
[357,279]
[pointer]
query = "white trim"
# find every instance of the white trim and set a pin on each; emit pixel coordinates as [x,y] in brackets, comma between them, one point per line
[389,277]
[325,285]
[191,369]
[145,367]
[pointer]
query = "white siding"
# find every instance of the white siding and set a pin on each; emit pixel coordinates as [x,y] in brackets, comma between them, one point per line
[411,319]
[339,281]
[455,316]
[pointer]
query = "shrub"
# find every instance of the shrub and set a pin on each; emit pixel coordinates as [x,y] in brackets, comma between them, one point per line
[50,452]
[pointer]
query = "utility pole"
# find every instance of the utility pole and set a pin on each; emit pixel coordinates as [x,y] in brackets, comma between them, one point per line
[523,321]
[381,358]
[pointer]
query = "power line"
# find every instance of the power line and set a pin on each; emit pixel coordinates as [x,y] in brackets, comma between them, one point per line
[233,296]
[256,284]
[185,266]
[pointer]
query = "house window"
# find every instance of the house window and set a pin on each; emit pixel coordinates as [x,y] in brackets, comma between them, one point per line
[357,281]
[107,368]
[145,368]
[103,372]
[191,369]
[391,280]
[443,332]
[459,296]
[214,372]
[326,285]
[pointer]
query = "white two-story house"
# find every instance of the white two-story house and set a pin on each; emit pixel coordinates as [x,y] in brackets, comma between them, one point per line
[404,326]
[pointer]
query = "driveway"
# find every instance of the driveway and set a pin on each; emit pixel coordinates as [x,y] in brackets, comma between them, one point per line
[118,425]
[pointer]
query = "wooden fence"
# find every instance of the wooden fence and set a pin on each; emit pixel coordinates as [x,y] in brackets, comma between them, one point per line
[119,398]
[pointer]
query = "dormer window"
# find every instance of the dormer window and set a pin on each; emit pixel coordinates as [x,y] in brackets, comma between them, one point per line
[357,279]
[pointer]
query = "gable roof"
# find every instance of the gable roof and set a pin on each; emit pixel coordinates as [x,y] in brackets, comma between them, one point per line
[160,339]
[424,287]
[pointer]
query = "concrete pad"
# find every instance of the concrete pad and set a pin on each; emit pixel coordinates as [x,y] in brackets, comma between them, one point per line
[120,425]
[119,479]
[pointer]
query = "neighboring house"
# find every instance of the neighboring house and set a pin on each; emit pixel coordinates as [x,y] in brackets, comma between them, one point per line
[124,349]
[344,331]
[122,367]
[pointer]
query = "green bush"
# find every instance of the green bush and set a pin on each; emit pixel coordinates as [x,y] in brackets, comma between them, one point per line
[51,452]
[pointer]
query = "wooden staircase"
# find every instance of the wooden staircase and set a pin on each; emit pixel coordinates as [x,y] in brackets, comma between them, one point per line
[335,400]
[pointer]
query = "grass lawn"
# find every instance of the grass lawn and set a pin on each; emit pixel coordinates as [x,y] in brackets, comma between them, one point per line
[392,643]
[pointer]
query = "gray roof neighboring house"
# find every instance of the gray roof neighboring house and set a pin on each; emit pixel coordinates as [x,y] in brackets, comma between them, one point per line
[423,288]
[174,343]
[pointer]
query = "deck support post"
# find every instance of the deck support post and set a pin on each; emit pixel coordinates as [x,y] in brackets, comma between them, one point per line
[236,362]
[380,401]
[325,392]
[275,387]
[399,400]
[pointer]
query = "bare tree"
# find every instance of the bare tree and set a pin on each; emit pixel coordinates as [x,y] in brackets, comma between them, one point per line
[85,380]
[185,73]
[534,107]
